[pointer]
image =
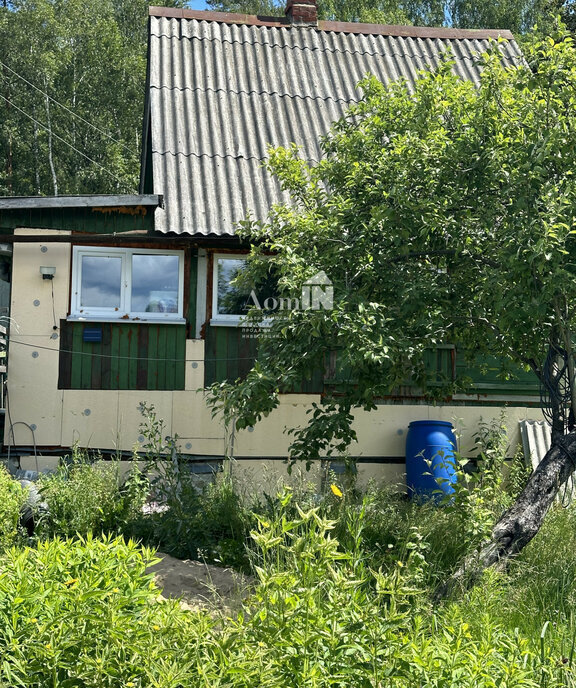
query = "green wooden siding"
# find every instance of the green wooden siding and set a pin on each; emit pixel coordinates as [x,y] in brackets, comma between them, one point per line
[485,376]
[439,365]
[130,356]
[230,355]
[92,220]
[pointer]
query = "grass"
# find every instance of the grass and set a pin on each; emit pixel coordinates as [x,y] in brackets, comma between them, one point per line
[343,593]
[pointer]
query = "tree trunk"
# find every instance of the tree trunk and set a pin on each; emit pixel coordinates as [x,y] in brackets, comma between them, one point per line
[522,521]
[49,128]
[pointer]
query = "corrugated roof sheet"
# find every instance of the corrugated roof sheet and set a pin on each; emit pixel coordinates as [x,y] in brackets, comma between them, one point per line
[536,440]
[221,93]
[536,443]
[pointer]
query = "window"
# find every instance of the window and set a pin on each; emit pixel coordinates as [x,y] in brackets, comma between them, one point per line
[127,283]
[230,302]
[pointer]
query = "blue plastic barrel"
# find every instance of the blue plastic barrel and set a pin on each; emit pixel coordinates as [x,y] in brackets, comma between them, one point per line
[430,446]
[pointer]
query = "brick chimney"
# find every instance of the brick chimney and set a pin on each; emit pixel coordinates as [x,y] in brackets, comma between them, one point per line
[302,12]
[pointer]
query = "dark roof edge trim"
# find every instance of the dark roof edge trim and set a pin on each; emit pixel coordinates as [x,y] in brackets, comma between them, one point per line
[197,235]
[101,201]
[341,27]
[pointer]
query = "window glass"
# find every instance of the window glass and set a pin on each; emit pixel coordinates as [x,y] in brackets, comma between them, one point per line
[101,282]
[238,299]
[232,300]
[155,280]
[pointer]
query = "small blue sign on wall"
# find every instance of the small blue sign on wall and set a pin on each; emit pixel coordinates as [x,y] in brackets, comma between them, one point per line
[92,334]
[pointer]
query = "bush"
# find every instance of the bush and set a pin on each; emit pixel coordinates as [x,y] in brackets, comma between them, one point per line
[324,617]
[207,522]
[85,496]
[82,613]
[12,498]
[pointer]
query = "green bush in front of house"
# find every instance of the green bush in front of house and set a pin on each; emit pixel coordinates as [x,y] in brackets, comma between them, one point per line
[89,496]
[326,610]
[342,593]
[12,498]
[195,520]
[83,613]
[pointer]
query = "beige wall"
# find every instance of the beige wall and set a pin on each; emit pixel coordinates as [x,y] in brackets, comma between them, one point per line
[110,419]
[33,396]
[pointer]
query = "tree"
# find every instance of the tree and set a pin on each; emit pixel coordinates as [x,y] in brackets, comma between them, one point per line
[71,95]
[519,16]
[446,215]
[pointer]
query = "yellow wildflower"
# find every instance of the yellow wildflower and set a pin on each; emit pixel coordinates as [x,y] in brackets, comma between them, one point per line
[336,490]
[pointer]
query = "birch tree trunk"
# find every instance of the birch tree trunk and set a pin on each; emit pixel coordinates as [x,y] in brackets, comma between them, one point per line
[49,129]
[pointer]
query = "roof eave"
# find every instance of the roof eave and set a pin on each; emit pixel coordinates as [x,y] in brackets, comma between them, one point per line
[341,27]
[101,201]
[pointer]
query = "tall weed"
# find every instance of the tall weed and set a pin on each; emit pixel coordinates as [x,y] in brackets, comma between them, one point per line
[81,613]
[12,498]
[321,616]
[85,496]
[208,522]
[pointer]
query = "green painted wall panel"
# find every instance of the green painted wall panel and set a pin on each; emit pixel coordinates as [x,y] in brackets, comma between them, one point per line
[229,356]
[115,361]
[485,375]
[179,355]
[130,356]
[90,220]
[153,355]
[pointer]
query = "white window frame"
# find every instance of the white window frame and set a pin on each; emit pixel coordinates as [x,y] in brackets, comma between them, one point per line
[79,312]
[224,319]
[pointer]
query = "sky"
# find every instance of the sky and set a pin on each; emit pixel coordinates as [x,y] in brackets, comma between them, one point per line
[197,5]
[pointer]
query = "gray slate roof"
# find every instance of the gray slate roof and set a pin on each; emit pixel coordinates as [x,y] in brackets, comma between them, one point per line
[220,93]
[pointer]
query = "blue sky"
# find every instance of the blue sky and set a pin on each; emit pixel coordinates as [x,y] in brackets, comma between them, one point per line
[197,5]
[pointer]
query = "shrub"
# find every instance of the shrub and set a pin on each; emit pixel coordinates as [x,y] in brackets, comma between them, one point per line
[85,496]
[323,617]
[82,613]
[12,498]
[209,522]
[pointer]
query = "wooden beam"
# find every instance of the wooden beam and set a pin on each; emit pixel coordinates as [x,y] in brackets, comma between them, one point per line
[95,201]
[443,33]
[93,238]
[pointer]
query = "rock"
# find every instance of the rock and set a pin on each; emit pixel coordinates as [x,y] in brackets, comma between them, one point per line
[200,586]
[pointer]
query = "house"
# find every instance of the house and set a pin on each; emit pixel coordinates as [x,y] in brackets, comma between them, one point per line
[140,307]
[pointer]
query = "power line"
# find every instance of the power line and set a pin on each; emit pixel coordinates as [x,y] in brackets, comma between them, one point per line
[129,358]
[61,139]
[74,114]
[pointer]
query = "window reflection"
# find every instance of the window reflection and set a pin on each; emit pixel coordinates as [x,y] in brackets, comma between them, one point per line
[101,281]
[238,299]
[232,300]
[154,283]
